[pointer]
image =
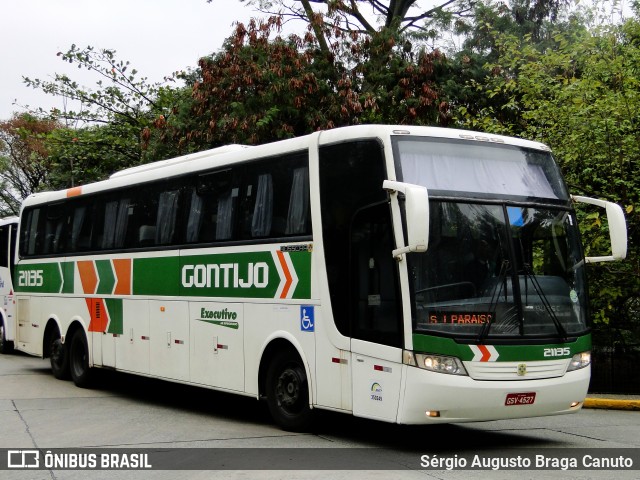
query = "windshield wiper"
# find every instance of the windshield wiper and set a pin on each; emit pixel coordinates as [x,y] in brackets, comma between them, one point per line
[495,295]
[545,301]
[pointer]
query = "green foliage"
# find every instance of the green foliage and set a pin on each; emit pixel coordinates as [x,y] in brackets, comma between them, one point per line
[25,164]
[115,118]
[120,95]
[83,155]
[262,87]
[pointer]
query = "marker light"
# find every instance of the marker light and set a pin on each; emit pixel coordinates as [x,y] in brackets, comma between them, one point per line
[436,363]
[579,360]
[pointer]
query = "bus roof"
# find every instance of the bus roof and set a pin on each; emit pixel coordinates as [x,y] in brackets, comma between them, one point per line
[231,154]
[9,220]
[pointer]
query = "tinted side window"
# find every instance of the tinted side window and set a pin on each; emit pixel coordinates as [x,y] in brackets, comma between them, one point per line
[275,200]
[213,200]
[44,230]
[81,226]
[351,176]
[258,200]
[373,280]
[4,245]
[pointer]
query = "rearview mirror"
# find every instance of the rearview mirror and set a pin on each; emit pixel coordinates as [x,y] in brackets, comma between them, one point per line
[617,229]
[416,206]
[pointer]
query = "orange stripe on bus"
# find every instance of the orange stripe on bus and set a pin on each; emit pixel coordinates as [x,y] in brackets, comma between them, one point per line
[122,268]
[99,315]
[88,276]
[287,274]
[486,354]
[74,192]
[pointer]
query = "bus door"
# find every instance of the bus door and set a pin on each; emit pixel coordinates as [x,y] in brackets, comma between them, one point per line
[7,261]
[376,318]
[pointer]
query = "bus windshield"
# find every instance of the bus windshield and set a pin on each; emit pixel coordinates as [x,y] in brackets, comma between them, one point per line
[478,169]
[508,266]
[499,270]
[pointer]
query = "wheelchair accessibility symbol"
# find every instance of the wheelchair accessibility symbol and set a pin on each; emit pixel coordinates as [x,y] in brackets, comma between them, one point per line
[306,318]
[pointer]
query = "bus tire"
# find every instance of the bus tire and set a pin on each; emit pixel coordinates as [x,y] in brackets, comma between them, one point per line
[59,357]
[287,392]
[6,346]
[79,360]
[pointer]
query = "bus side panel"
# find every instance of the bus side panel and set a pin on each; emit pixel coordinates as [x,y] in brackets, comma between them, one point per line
[7,303]
[269,322]
[29,333]
[169,330]
[107,349]
[333,369]
[377,376]
[132,345]
[217,344]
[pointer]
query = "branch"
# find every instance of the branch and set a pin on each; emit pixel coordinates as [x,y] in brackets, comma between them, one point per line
[317,29]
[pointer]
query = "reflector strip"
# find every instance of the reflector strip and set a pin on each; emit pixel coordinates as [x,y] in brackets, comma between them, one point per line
[484,353]
[339,360]
[380,368]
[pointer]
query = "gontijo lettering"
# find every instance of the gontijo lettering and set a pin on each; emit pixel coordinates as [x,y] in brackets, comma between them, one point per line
[225,275]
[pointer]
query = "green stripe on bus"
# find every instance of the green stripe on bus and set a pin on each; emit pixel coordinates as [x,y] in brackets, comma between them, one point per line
[114,307]
[107,279]
[39,278]
[68,270]
[238,275]
[156,276]
[506,353]
[302,263]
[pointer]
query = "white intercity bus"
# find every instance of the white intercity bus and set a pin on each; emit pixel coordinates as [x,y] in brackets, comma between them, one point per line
[8,234]
[406,274]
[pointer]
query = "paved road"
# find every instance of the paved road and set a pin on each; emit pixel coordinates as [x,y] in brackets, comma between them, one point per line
[40,412]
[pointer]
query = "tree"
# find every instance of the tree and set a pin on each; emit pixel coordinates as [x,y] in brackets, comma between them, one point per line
[25,163]
[129,106]
[262,87]
[401,16]
[79,156]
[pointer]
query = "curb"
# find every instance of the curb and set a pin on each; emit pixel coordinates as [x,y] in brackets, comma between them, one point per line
[611,404]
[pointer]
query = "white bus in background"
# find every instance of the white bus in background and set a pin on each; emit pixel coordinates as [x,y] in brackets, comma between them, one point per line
[8,233]
[405,274]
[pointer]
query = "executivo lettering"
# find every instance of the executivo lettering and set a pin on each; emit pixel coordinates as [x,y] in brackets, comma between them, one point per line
[218,314]
[225,275]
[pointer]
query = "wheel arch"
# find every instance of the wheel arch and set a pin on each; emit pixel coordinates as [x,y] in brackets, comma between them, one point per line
[51,330]
[54,327]
[275,345]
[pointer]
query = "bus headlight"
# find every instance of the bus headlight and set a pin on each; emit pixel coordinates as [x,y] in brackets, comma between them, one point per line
[579,360]
[439,364]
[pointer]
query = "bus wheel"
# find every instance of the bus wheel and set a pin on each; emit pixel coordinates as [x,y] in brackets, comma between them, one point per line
[5,345]
[59,358]
[79,360]
[287,392]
